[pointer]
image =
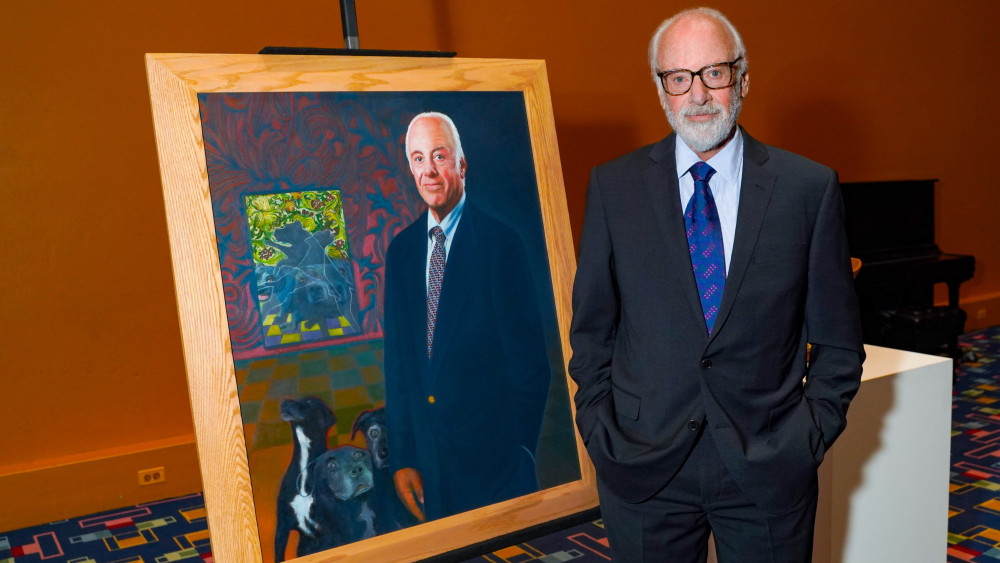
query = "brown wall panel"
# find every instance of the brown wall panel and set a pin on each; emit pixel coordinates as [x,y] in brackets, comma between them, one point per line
[89,338]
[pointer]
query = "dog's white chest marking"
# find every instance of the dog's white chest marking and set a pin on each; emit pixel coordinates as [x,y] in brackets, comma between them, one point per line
[367,516]
[302,502]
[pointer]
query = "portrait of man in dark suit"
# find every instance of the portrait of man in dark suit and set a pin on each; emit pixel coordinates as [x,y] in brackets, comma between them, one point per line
[466,370]
[707,262]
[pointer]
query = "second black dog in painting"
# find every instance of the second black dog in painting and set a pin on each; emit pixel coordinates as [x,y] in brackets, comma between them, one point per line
[390,514]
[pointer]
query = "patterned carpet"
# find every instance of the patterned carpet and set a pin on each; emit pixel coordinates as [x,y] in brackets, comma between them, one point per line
[584,543]
[974,514]
[175,529]
[165,531]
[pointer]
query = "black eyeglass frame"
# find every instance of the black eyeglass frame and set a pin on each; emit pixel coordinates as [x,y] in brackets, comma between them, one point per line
[732,76]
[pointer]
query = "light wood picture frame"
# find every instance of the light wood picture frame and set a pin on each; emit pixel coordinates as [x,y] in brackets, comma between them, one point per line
[183,88]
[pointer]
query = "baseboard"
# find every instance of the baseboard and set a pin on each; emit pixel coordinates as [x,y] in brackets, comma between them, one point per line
[983,311]
[55,489]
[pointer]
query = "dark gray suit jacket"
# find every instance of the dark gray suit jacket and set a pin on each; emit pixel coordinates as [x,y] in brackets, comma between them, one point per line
[648,373]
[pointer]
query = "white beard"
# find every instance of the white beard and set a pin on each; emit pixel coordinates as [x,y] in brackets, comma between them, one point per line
[707,135]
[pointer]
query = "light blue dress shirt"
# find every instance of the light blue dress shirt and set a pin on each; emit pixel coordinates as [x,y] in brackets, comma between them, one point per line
[725,183]
[449,226]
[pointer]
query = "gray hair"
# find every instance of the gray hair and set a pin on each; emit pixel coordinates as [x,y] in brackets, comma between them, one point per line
[654,43]
[459,153]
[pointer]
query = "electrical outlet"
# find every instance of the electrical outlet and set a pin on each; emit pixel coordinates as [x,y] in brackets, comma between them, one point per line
[981,314]
[152,476]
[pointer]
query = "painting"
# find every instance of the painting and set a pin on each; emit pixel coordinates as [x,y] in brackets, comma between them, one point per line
[301,265]
[376,387]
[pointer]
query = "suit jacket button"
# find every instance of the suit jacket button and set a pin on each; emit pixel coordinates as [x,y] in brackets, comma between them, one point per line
[693,424]
[705,364]
[430,399]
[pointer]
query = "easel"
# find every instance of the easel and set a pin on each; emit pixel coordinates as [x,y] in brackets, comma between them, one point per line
[349,23]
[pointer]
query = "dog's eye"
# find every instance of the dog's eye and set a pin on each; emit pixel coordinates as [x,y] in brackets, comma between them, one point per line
[359,455]
[331,465]
[373,432]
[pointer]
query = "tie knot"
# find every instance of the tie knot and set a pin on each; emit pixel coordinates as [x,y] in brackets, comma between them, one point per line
[438,234]
[701,171]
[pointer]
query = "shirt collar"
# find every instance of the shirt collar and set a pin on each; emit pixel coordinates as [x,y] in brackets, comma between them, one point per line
[450,222]
[726,162]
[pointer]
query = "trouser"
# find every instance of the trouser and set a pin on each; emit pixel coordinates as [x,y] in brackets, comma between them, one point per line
[702,498]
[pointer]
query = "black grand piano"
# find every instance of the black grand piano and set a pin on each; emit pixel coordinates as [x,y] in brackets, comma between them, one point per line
[890,227]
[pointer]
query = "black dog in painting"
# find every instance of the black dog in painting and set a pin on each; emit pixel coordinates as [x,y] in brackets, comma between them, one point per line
[390,514]
[311,421]
[343,478]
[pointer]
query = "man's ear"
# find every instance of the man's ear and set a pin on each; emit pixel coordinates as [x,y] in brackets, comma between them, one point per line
[461,168]
[745,84]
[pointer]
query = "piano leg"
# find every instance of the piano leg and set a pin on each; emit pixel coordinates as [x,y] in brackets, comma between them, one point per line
[953,349]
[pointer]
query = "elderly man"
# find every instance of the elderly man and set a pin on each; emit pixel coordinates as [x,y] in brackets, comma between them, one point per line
[707,261]
[466,369]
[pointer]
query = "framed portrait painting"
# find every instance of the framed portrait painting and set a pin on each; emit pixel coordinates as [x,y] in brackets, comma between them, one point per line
[373,264]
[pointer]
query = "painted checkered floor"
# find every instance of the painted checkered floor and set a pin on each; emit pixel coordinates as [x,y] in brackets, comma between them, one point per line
[349,377]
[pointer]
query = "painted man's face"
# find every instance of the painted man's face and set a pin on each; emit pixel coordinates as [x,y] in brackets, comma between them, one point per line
[437,169]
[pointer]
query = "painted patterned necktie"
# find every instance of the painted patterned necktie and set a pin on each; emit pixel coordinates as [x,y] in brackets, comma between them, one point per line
[434,277]
[704,234]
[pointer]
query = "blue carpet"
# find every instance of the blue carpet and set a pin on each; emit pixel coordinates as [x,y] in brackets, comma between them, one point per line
[584,543]
[974,514]
[170,530]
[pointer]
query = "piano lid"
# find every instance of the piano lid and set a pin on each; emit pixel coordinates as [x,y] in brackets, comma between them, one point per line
[891,220]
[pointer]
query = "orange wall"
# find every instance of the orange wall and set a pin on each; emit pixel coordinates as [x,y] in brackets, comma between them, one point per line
[89,340]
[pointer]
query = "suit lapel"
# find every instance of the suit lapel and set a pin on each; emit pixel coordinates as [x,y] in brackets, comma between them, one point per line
[755,195]
[459,271]
[414,281]
[663,193]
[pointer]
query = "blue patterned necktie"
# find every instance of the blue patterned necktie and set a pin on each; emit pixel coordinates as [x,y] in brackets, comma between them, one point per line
[434,278]
[704,234]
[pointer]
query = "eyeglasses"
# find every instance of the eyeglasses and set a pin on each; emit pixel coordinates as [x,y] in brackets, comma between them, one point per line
[715,77]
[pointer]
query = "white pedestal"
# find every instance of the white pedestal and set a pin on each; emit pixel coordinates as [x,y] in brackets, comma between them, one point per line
[884,485]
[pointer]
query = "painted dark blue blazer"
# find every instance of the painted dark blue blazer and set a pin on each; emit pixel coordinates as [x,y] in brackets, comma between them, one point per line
[469,418]
[649,375]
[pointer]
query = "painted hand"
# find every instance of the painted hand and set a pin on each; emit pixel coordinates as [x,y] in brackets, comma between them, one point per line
[410,488]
